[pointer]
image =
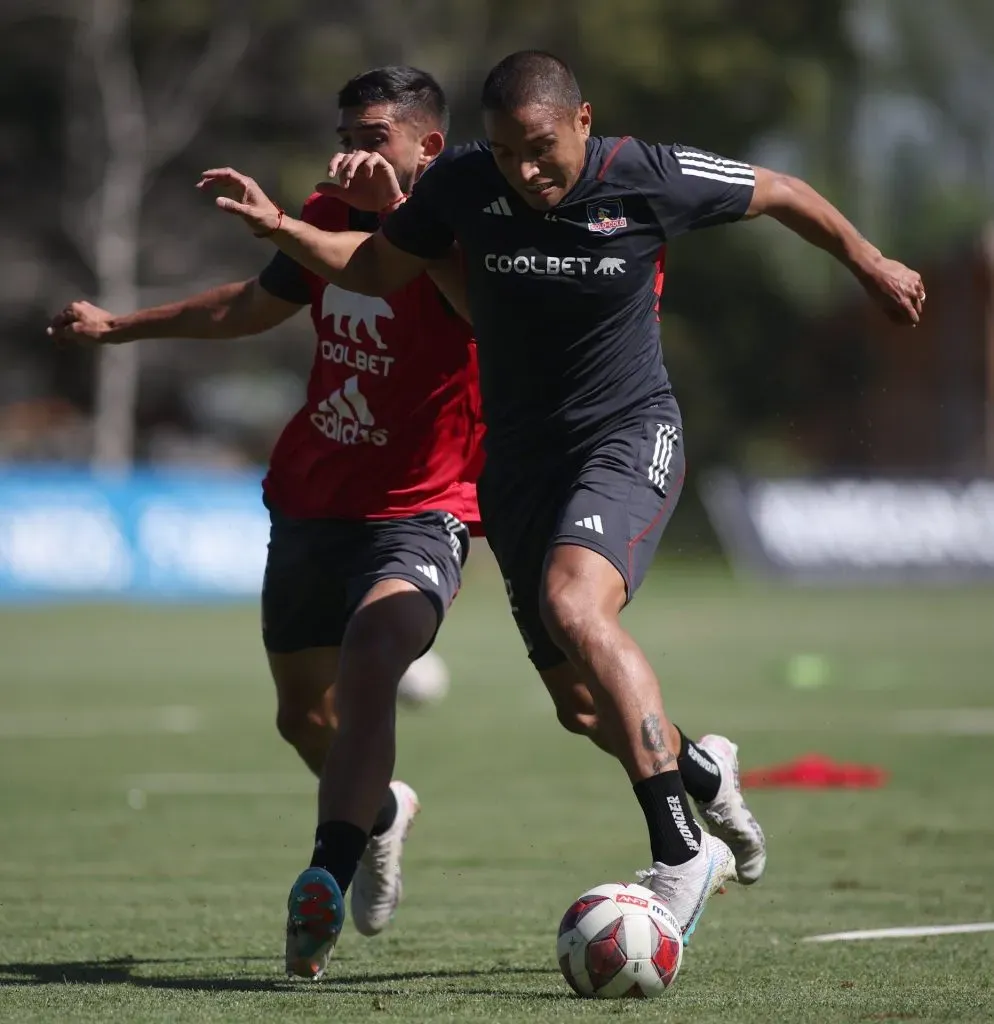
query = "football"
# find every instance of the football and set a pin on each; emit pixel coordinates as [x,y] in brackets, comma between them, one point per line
[425,682]
[619,942]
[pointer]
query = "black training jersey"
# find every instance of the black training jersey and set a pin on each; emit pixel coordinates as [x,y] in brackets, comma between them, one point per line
[565,302]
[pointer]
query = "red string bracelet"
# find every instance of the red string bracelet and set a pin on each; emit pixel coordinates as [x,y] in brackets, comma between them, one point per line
[279,224]
[390,207]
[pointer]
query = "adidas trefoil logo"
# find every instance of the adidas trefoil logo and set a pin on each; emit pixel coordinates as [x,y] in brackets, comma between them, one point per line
[501,207]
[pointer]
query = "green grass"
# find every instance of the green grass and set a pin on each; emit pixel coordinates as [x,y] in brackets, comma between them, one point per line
[173,909]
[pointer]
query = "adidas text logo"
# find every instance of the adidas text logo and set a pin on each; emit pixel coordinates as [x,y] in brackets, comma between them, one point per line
[501,207]
[430,571]
[591,523]
[680,820]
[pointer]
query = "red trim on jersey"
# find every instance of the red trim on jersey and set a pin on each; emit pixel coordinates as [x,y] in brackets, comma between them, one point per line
[612,155]
[657,285]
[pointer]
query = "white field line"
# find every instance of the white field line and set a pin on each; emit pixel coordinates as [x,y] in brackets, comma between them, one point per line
[903,933]
[230,784]
[946,722]
[110,722]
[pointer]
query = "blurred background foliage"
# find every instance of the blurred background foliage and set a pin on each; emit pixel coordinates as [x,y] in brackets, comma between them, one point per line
[887,106]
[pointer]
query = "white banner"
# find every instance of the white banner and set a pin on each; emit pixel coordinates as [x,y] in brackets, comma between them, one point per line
[848,530]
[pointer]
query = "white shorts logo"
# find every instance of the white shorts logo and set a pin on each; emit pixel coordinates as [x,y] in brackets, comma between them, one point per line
[430,571]
[662,456]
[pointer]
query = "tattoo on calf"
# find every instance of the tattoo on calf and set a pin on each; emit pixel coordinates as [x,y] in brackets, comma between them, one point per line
[653,740]
[652,733]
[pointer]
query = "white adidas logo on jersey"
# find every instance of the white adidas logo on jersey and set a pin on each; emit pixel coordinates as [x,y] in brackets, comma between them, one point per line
[501,207]
[344,416]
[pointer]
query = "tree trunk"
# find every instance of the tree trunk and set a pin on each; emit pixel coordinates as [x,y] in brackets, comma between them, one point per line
[116,222]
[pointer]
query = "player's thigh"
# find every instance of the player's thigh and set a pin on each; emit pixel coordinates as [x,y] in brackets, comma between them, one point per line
[394,623]
[304,588]
[404,582]
[519,519]
[622,500]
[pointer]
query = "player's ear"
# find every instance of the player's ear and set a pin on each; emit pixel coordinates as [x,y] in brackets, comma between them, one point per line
[583,119]
[431,145]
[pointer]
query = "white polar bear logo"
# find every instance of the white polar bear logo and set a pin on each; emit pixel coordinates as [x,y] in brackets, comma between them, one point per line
[357,309]
[610,265]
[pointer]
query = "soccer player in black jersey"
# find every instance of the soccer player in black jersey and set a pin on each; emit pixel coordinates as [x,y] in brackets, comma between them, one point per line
[563,236]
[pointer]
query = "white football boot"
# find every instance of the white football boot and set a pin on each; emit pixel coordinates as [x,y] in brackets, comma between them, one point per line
[686,888]
[377,887]
[727,816]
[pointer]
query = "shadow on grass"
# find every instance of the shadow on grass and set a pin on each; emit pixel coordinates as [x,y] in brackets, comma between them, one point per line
[122,971]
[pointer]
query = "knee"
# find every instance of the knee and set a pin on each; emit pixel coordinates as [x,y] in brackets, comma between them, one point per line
[569,614]
[575,720]
[298,720]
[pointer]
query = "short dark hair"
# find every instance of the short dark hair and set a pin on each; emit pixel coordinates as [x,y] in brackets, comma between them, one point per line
[415,93]
[531,77]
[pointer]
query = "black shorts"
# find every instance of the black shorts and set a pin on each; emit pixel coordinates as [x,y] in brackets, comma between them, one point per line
[617,501]
[318,570]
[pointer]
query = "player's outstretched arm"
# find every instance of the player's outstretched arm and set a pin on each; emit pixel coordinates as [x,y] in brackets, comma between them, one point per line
[228,311]
[897,289]
[353,260]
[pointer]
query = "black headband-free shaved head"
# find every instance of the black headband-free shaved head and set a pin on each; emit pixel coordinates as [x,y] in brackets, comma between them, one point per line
[531,78]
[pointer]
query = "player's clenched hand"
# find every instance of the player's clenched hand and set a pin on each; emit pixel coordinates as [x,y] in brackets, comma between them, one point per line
[897,289]
[241,195]
[363,180]
[81,321]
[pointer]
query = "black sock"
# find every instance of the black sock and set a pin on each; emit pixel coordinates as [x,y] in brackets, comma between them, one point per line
[338,845]
[701,776]
[387,815]
[674,835]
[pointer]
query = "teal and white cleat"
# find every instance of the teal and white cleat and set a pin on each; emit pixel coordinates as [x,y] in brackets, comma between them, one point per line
[315,914]
[686,888]
[727,816]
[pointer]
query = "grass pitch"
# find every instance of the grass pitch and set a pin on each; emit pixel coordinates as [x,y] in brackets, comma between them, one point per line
[152,821]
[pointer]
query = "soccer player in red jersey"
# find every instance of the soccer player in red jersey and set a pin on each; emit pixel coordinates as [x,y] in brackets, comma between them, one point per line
[371,493]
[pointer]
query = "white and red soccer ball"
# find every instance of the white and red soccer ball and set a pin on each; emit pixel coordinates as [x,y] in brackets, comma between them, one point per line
[619,941]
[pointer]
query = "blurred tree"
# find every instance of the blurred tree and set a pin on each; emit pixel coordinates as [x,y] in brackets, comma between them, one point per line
[726,75]
[771,78]
[117,141]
